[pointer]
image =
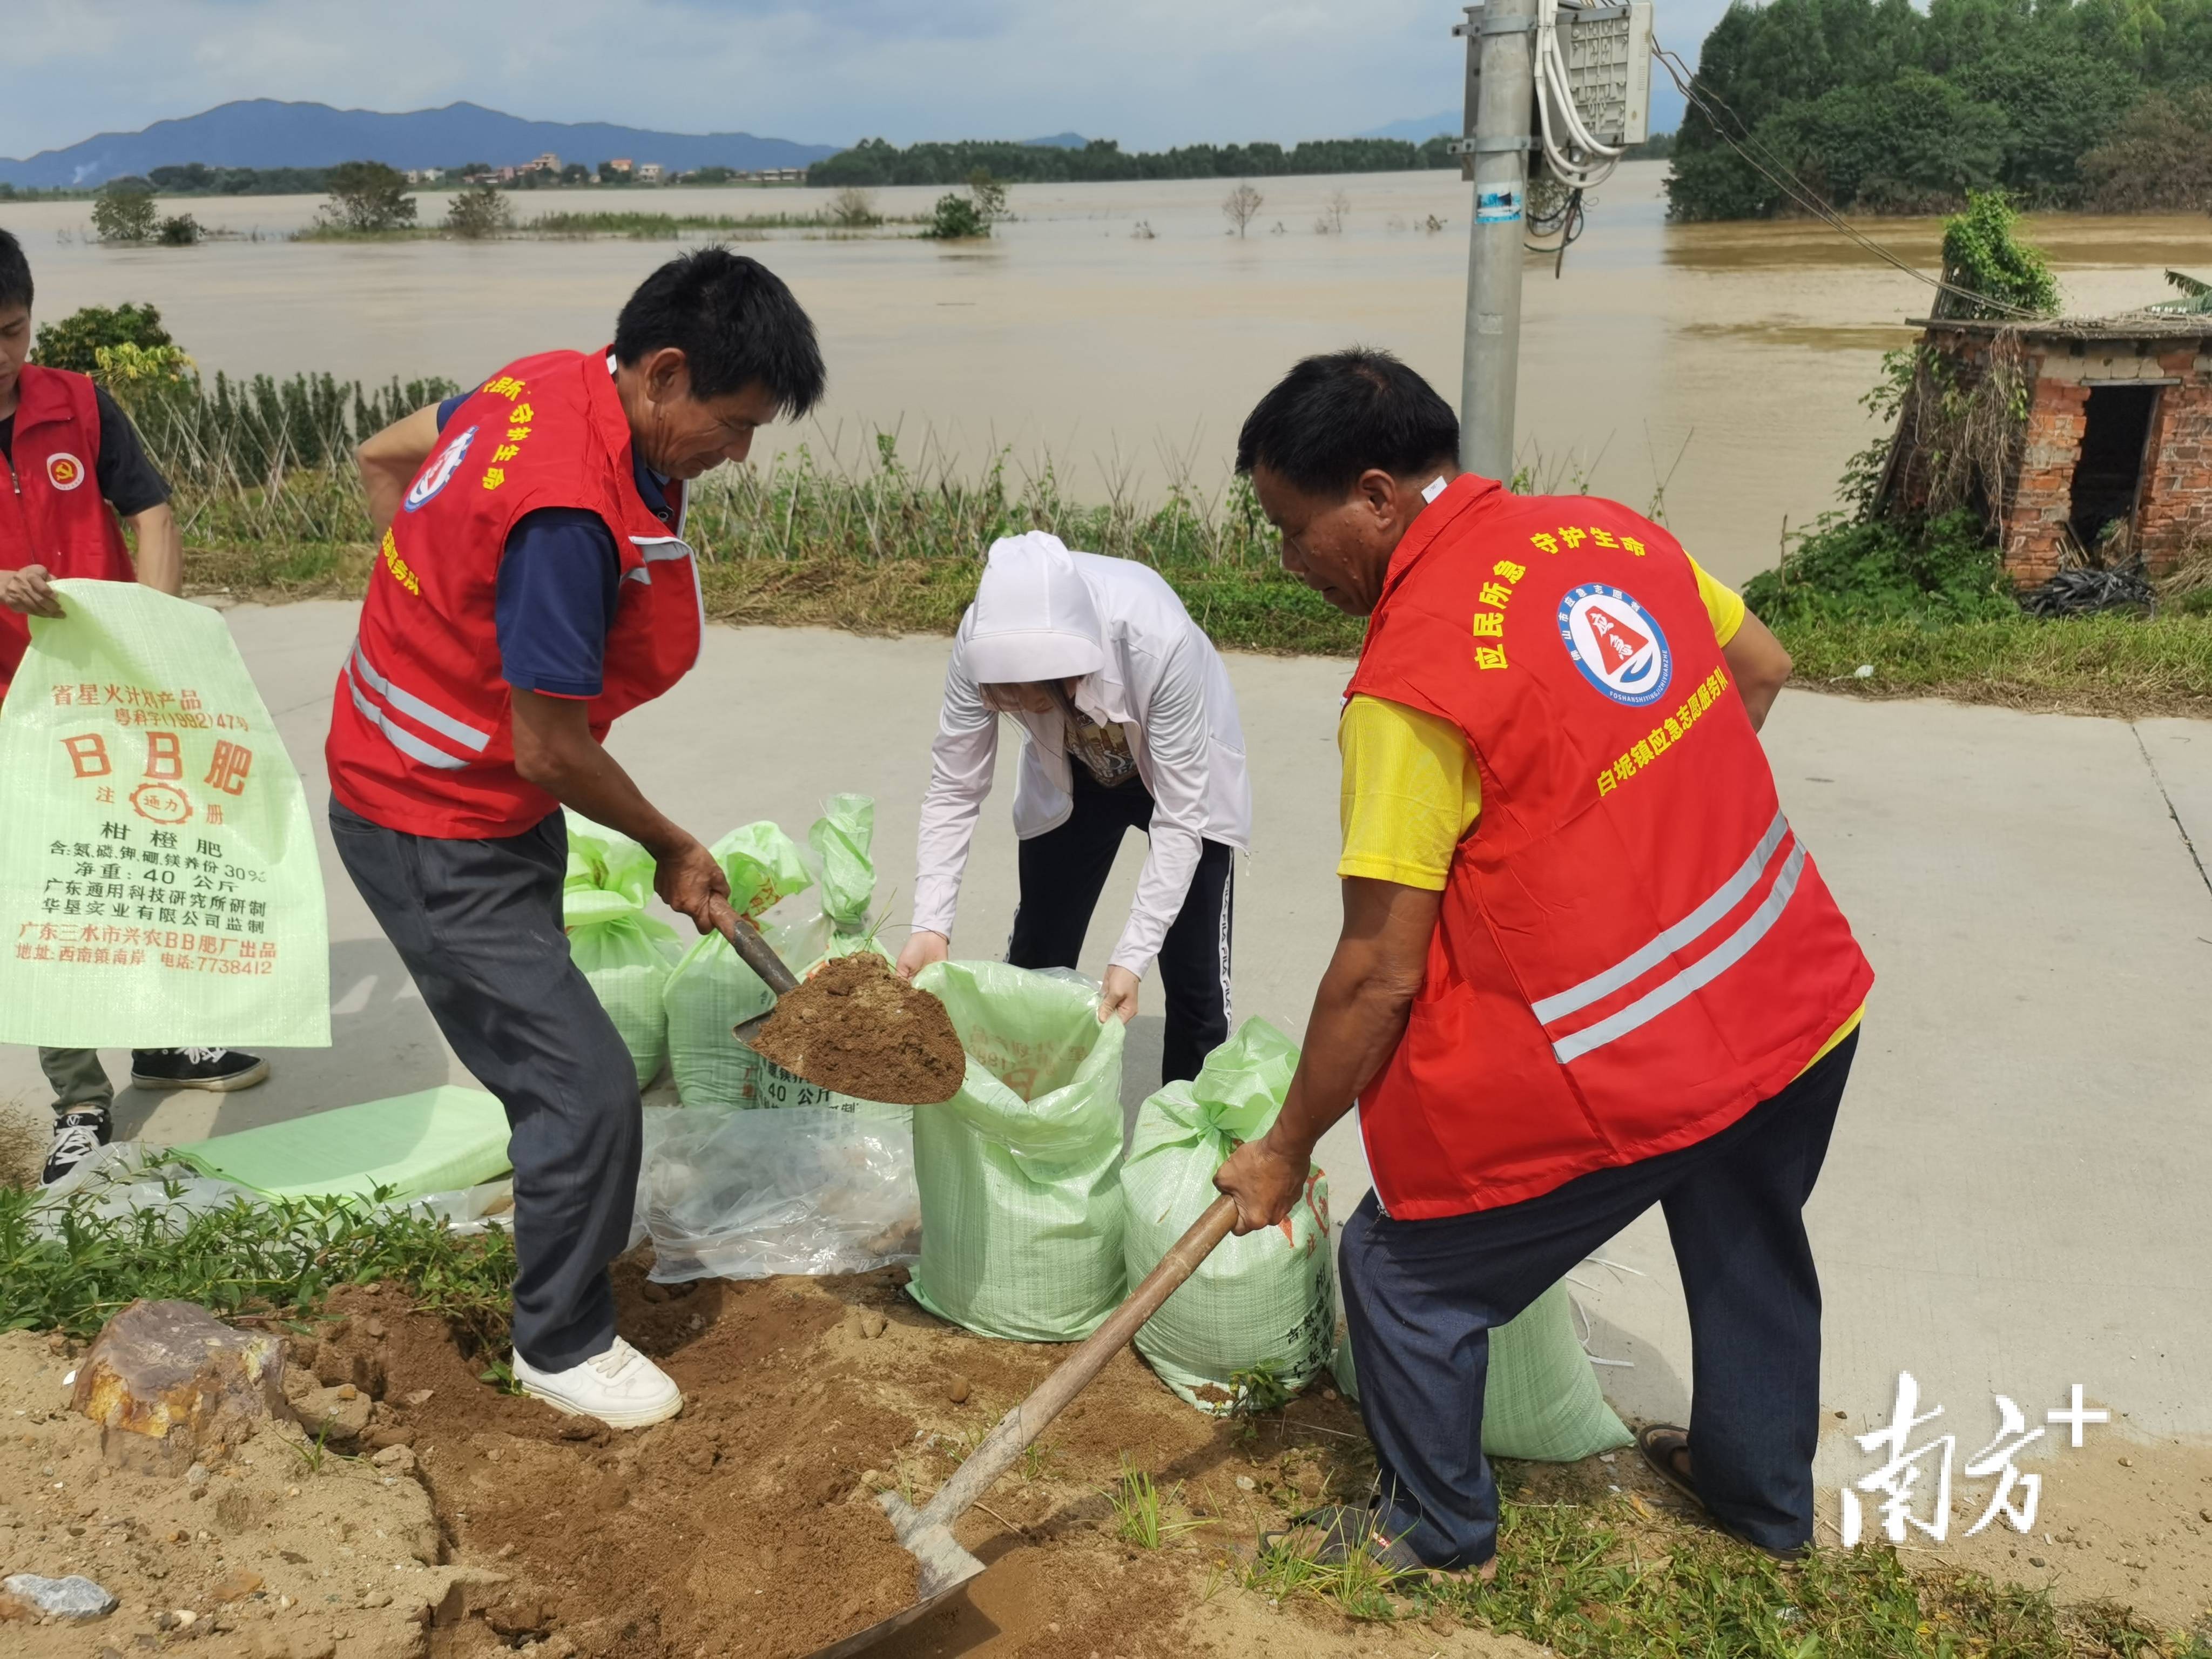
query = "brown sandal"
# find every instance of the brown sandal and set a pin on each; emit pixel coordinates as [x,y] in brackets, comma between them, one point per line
[1666,1452]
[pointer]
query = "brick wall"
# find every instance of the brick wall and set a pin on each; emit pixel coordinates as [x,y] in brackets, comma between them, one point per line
[2175,517]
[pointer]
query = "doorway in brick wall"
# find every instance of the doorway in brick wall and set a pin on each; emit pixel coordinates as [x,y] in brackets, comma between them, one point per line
[2108,471]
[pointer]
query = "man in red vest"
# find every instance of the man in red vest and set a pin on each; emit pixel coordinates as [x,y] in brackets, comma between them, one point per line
[74,465]
[531,585]
[1586,965]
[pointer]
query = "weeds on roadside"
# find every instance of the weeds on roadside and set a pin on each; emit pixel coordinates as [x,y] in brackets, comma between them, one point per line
[311,1457]
[1581,1580]
[69,1267]
[1137,1502]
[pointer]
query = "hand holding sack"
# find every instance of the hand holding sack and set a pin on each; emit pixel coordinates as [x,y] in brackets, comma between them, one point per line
[627,955]
[159,881]
[1266,1301]
[712,990]
[1021,1214]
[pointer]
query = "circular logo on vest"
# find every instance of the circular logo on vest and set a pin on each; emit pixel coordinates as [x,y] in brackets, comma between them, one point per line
[440,471]
[64,471]
[1616,643]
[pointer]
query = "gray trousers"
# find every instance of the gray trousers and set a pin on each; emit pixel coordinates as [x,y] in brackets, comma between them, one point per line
[478,925]
[78,1077]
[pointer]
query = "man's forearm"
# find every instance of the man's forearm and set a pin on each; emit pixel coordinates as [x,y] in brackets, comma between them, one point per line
[578,773]
[161,550]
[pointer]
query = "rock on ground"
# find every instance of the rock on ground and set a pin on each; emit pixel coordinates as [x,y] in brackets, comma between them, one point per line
[171,1385]
[73,1597]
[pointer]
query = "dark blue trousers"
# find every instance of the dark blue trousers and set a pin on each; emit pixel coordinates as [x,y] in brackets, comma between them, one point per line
[1422,1297]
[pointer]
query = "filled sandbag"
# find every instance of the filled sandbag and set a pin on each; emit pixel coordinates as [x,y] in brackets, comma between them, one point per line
[1541,1401]
[626,954]
[434,1140]
[712,990]
[1021,1213]
[1265,1302]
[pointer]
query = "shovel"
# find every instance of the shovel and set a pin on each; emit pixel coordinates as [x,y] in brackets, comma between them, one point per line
[760,956]
[927,1532]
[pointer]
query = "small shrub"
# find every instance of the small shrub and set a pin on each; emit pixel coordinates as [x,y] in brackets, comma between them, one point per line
[853,208]
[125,215]
[1240,206]
[1944,571]
[74,343]
[1981,255]
[180,230]
[477,212]
[954,219]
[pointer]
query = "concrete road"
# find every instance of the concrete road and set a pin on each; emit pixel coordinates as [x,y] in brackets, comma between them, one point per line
[2015,1202]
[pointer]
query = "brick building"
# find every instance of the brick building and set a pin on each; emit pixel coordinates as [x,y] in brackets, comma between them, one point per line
[2118,433]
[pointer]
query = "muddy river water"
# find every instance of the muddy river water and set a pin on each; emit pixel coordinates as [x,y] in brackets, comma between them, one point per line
[1121,331]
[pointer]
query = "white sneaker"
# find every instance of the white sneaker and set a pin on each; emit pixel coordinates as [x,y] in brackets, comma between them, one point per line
[622,1387]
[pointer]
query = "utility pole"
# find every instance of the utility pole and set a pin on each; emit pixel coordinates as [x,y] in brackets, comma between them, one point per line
[1501,42]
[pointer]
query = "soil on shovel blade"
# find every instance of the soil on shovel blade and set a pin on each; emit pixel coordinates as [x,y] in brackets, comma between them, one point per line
[857,1027]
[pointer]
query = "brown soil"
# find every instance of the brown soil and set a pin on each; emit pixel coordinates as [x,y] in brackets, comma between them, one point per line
[857,1027]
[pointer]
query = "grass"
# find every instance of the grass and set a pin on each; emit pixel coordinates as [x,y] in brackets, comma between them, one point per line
[1595,1581]
[1137,1502]
[70,1269]
[645,225]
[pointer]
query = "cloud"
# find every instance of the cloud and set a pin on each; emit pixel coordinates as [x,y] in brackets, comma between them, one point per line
[1147,72]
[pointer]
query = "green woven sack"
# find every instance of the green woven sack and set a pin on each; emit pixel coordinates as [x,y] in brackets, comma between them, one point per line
[839,839]
[1021,1214]
[159,883]
[712,990]
[1263,1303]
[626,955]
[1542,1402]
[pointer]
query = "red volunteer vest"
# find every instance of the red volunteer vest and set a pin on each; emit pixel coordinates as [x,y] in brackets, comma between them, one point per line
[1634,948]
[421,734]
[52,514]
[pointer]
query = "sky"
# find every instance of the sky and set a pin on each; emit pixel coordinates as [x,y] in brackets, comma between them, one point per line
[1151,73]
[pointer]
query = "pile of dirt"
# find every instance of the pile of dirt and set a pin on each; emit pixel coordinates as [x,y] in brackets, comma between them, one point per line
[856,1026]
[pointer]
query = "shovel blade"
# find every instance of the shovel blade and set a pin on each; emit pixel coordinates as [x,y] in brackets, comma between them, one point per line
[945,1567]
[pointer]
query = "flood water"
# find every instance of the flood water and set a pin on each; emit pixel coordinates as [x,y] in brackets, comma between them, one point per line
[1727,360]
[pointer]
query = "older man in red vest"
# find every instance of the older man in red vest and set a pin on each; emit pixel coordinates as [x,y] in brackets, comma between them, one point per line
[1586,967]
[532,585]
[74,467]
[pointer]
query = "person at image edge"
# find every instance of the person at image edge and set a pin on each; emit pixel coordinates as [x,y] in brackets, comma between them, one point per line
[1586,965]
[533,584]
[75,465]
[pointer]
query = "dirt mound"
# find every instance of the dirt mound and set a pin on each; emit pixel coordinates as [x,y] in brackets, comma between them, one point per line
[857,1028]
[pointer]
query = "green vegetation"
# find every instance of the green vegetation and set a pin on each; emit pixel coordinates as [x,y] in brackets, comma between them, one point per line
[1137,1502]
[477,212]
[125,215]
[957,218]
[198,178]
[74,341]
[368,197]
[648,224]
[873,162]
[1880,107]
[1990,272]
[1604,1577]
[277,1259]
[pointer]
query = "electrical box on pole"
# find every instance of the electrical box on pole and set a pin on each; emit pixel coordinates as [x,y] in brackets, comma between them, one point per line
[1550,90]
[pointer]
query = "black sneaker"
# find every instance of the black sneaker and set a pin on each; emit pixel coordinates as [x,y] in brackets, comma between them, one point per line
[218,1069]
[78,1133]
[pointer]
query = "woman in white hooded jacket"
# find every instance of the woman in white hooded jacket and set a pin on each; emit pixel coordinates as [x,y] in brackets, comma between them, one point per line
[1128,722]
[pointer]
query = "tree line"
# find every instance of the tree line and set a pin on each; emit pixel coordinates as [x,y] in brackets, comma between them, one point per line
[873,162]
[1880,108]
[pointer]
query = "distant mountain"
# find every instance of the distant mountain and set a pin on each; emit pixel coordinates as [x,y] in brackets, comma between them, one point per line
[262,132]
[1058,141]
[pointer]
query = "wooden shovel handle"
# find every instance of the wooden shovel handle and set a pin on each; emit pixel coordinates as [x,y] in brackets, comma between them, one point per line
[758,954]
[1025,1422]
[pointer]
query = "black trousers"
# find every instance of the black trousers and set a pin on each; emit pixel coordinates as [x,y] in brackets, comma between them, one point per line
[1064,871]
[1422,1297]
[478,925]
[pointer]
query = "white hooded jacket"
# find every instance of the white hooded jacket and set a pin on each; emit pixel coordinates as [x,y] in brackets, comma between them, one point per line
[1044,613]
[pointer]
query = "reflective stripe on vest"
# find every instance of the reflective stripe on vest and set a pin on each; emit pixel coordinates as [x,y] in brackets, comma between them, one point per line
[359,671]
[1693,926]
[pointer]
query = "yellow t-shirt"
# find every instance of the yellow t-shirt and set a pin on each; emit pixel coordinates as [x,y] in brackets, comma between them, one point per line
[1410,790]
